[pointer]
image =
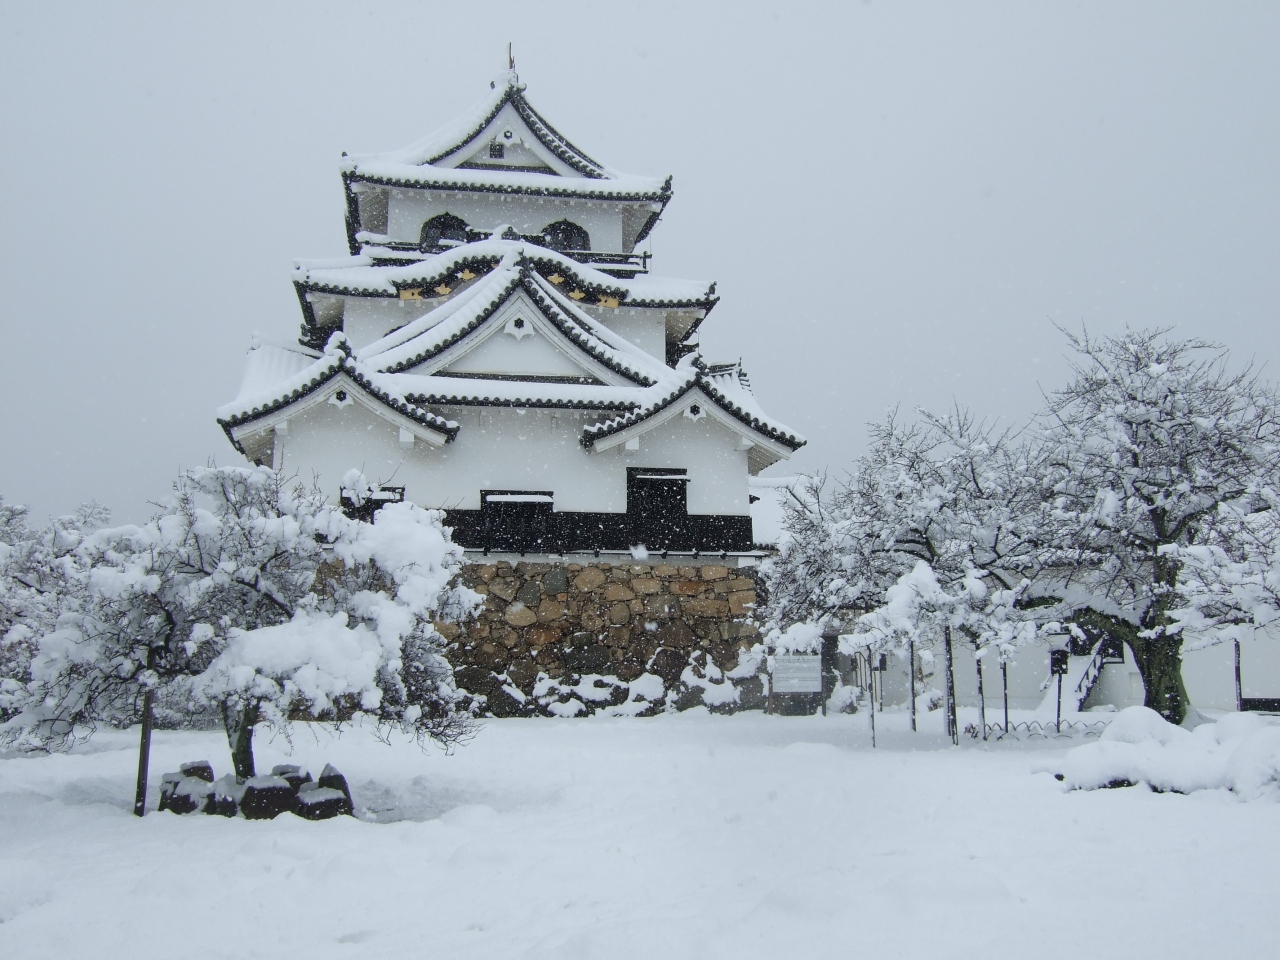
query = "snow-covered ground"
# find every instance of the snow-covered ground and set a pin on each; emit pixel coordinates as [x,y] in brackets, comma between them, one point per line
[680,836]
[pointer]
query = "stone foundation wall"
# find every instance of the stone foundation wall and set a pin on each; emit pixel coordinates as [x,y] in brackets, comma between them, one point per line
[636,638]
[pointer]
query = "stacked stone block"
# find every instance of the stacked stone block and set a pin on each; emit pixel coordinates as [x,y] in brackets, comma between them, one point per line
[564,621]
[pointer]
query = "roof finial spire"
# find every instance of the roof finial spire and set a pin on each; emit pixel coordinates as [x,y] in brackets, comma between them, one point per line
[511,58]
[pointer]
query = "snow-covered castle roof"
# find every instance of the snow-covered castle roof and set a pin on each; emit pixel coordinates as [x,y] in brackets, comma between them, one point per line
[493,332]
[406,370]
[536,159]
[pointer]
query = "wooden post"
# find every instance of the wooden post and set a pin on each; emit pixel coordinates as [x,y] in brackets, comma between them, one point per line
[1004,677]
[911,656]
[1239,686]
[982,697]
[871,699]
[881,661]
[1058,723]
[953,724]
[144,756]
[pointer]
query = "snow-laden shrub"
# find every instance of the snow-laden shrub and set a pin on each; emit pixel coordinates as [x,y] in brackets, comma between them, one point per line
[1240,753]
[249,593]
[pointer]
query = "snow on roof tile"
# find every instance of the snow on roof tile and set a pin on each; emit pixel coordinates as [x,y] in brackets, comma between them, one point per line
[360,277]
[517,181]
[415,165]
[727,390]
[615,352]
[456,135]
[439,329]
[456,319]
[337,359]
[442,390]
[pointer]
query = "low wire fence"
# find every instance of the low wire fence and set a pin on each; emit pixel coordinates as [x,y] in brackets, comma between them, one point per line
[1037,729]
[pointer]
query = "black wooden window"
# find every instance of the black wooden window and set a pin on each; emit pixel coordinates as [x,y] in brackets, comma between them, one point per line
[566,235]
[657,505]
[446,226]
[371,504]
[517,519]
[497,151]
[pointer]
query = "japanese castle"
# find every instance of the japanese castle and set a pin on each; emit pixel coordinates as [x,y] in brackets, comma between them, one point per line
[496,347]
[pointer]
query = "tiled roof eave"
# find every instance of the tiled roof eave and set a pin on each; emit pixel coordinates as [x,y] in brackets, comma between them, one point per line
[662,195]
[279,403]
[547,135]
[553,140]
[596,432]
[788,440]
[459,335]
[346,366]
[444,400]
[580,337]
[599,431]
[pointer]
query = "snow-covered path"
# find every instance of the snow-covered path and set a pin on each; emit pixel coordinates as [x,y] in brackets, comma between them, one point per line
[680,836]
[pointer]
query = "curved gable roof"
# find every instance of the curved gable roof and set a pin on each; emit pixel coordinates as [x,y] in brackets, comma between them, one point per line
[336,361]
[432,334]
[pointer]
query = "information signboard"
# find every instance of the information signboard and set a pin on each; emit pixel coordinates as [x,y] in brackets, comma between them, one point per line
[797,674]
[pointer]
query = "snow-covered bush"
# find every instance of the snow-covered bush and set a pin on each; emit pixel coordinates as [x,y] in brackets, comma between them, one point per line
[40,580]
[1241,753]
[249,592]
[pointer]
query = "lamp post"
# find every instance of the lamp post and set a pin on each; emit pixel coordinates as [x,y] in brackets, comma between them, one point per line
[1058,660]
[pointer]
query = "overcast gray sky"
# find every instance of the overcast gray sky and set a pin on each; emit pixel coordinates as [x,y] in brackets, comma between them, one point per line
[897,199]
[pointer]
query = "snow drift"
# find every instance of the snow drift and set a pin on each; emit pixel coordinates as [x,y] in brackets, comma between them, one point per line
[1240,753]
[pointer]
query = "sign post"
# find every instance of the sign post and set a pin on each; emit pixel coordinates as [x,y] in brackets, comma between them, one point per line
[797,674]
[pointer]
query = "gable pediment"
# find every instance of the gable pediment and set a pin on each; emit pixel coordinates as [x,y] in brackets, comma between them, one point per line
[506,143]
[517,342]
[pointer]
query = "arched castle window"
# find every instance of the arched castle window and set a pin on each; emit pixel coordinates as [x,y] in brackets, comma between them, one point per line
[566,235]
[443,227]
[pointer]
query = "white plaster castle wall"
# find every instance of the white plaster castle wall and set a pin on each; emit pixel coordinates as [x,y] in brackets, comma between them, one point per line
[505,449]
[409,209]
[531,355]
[1209,675]
[366,319]
[647,329]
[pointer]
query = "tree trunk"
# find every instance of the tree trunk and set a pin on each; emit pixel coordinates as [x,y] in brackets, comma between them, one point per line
[239,726]
[982,699]
[1160,663]
[144,756]
[953,725]
[911,654]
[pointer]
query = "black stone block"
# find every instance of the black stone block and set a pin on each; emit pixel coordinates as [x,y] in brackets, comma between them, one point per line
[200,769]
[265,798]
[322,803]
[292,774]
[331,779]
[224,798]
[168,783]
